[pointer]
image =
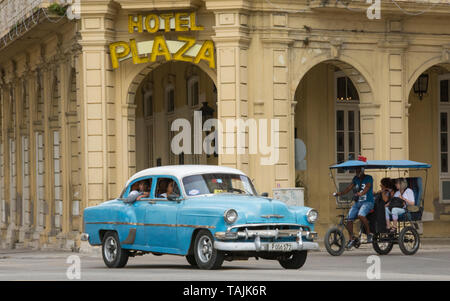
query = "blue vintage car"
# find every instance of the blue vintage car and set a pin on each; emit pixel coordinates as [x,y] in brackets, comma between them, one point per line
[207,213]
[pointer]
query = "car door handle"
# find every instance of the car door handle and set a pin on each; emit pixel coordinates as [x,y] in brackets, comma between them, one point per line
[152,202]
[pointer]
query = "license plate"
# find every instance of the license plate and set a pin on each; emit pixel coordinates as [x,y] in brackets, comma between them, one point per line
[280,247]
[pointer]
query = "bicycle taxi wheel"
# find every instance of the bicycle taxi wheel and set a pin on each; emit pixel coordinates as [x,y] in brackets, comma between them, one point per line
[335,241]
[409,240]
[382,244]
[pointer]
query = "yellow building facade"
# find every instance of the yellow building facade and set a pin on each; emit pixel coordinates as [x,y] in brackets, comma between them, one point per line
[87,101]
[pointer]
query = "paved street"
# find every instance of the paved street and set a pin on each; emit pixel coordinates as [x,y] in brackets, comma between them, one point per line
[432,262]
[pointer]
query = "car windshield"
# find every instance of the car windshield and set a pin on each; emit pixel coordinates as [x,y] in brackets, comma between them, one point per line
[218,183]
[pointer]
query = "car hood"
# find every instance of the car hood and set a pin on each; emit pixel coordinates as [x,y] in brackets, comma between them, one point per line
[251,209]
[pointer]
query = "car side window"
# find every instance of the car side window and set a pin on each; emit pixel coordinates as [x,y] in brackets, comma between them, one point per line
[139,189]
[166,186]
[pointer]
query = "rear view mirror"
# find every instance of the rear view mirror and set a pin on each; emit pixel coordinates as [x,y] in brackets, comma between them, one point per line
[265,194]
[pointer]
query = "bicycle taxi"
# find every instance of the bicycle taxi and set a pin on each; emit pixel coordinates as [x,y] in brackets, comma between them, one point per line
[406,235]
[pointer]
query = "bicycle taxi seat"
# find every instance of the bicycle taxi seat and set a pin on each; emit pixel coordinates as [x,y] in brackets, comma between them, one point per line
[414,213]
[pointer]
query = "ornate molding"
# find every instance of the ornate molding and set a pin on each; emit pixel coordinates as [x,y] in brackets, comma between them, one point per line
[398,44]
[446,53]
[335,48]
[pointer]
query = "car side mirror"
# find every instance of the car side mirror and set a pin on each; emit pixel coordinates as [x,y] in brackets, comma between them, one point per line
[173,197]
[265,194]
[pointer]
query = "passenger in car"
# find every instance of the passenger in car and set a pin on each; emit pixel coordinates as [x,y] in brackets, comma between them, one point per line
[144,189]
[138,191]
[165,188]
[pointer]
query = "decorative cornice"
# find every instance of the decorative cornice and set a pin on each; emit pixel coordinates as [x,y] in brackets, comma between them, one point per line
[232,40]
[393,44]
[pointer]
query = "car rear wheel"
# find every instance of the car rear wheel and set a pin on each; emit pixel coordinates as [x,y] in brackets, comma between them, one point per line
[295,260]
[113,254]
[206,256]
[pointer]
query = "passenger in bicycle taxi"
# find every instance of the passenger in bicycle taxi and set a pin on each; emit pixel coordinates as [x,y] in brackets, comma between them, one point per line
[386,192]
[363,184]
[403,197]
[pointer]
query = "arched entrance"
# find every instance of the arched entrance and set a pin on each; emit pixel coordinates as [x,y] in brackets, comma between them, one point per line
[172,91]
[429,134]
[329,128]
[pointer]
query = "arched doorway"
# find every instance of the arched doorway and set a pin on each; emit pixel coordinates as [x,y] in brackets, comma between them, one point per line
[169,92]
[328,128]
[429,134]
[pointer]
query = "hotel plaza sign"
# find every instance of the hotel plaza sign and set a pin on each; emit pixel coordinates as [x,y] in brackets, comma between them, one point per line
[184,49]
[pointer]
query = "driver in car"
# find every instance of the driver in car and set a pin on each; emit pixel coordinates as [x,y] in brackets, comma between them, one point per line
[363,184]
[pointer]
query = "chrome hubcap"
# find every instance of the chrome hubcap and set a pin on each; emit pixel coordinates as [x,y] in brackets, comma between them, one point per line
[205,249]
[110,249]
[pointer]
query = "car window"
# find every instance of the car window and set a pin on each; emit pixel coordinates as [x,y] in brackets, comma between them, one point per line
[166,186]
[137,188]
[217,183]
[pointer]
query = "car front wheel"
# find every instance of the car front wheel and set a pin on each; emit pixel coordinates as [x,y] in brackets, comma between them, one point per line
[113,254]
[206,256]
[295,260]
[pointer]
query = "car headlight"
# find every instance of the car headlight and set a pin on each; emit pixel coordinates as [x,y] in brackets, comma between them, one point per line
[312,216]
[230,216]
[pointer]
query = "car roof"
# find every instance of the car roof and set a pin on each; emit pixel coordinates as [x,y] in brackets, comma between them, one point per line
[180,171]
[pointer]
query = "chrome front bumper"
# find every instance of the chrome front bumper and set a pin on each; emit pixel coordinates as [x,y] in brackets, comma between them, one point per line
[259,246]
[84,237]
[224,242]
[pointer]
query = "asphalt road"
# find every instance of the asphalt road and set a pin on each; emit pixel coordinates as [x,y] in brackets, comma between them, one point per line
[430,263]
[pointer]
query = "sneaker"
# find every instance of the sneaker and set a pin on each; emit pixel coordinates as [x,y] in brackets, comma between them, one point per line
[350,243]
[369,238]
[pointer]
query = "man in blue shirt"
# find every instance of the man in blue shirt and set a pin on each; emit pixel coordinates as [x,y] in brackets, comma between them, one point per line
[363,184]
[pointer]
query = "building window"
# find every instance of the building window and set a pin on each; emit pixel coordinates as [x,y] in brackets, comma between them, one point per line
[347,115]
[171,135]
[192,91]
[170,98]
[443,90]
[148,105]
[345,90]
[444,115]
[147,93]
[150,144]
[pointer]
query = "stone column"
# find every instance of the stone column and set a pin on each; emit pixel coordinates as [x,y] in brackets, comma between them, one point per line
[274,102]
[97,105]
[3,142]
[394,133]
[231,43]
[25,166]
[11,234]
[280,105]
[47,142]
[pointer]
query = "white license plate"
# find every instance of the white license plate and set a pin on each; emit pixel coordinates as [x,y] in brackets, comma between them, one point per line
[280,247]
